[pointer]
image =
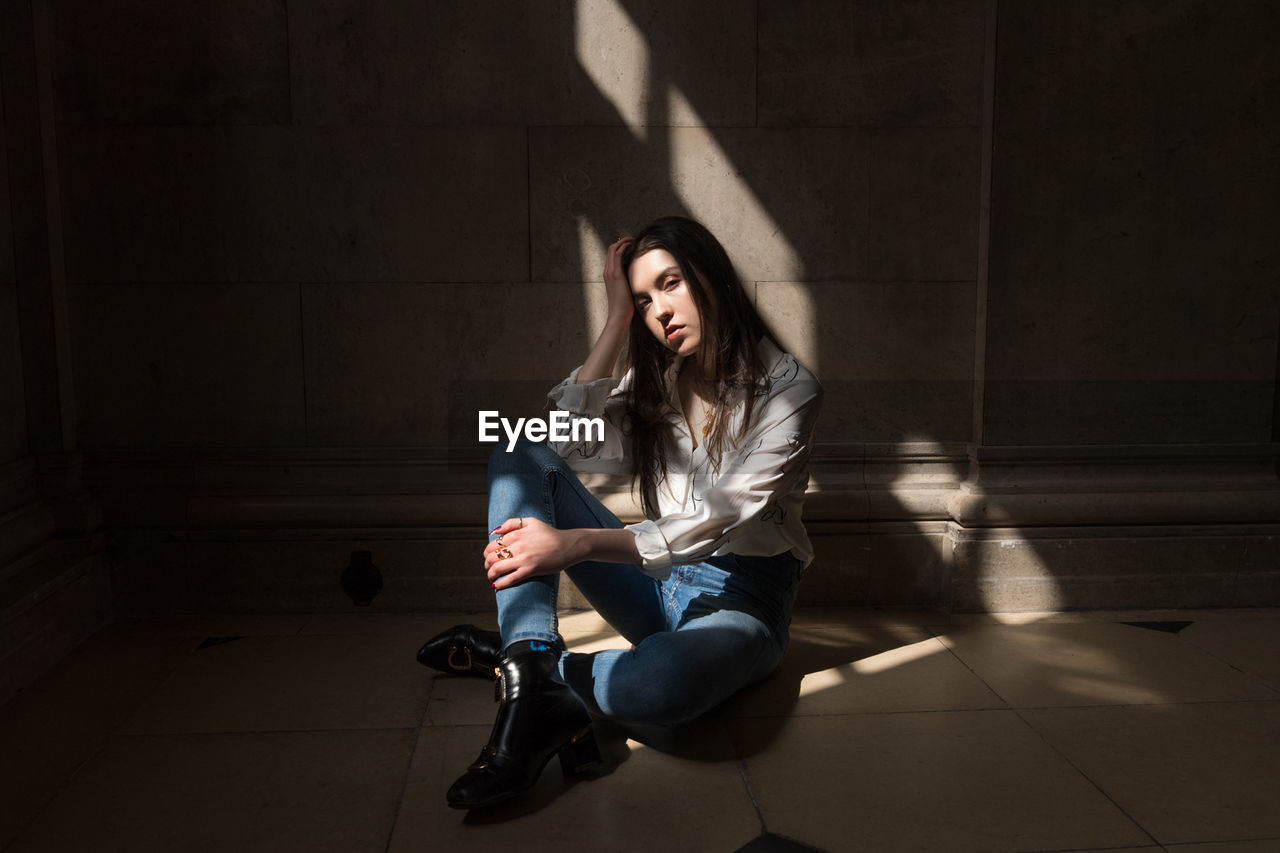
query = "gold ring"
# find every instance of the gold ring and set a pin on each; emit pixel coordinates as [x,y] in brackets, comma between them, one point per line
[504,554]
[500,535]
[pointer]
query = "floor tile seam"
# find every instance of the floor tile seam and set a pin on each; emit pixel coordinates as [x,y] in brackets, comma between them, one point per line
[1252,677]
[424,720]
[1139,705]
[746,782]
[132,714]
[21,830]
[1097,786]
[100,747]
[1175,846]
[954,654]
[404,788]
[1261,679]
[862,715]
[1089,707]
[1098,849]
[258,732]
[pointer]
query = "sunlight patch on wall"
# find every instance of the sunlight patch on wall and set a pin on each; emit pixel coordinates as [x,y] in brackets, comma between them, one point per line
[616,58]
[712,188]
[592,248]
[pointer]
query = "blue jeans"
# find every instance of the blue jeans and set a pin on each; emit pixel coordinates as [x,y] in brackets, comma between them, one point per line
[698,637]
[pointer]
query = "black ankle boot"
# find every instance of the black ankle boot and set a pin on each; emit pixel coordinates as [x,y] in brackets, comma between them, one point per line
[539,717]
[463,649]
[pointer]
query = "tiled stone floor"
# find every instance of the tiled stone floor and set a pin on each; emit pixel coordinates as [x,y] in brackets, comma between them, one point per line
[883,731]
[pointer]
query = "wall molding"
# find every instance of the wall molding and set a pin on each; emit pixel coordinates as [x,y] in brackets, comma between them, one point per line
[301,489]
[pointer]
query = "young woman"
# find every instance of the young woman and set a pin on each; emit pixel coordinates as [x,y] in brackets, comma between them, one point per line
[715,423]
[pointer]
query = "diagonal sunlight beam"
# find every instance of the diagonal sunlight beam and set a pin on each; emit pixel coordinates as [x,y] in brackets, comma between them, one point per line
[712,188]
[616,58]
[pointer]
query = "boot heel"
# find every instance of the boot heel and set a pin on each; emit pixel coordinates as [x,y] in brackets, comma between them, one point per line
[580,753]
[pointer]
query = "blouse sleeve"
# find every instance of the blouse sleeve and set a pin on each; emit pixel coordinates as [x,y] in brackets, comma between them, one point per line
[596,439]
[770,464]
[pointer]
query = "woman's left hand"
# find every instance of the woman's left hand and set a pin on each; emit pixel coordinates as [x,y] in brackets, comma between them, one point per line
[535,548]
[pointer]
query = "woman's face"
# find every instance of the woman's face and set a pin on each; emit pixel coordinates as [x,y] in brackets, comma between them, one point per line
[664,302]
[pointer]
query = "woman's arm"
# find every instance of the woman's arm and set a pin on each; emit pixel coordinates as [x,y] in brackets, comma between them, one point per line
[537,548]
[604,355]
[768,467]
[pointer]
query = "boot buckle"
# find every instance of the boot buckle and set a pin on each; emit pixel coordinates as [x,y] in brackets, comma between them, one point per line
[453,650]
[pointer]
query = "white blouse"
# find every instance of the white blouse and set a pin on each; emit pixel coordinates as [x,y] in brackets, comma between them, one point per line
[751,507]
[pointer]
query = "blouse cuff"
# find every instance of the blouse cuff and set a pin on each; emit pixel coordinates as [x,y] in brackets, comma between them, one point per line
[653,549]
[588,398]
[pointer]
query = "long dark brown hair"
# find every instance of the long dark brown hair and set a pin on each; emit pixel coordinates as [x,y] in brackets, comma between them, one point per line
[731,329]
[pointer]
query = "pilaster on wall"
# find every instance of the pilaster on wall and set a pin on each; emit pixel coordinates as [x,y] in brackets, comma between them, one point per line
[54,587]
[913,524]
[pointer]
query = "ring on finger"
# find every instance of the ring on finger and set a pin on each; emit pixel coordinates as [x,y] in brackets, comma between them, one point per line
[500,535]
[504,554]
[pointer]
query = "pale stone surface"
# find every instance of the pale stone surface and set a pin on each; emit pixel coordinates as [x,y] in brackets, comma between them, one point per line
[13,414]
[786,204]
[180,62]
[186,365]
[44,731]
[827,62]
[289,203]
[266,683]
[426,573]
[320,791]
[497,63]
[983,779]
[440,354]
[924,204]
[1138,411]
[895,359]
[426,569]
[861,669]
[1132,212]
[140,204]
[1187,772]
[1109,568]
[619,802]
[8,274]
[376,204]
[1097,663]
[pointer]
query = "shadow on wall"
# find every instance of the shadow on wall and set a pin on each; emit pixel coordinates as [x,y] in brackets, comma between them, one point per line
[860,240]
[861,245]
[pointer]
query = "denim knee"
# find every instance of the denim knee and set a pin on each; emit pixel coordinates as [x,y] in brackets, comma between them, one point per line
[525,453]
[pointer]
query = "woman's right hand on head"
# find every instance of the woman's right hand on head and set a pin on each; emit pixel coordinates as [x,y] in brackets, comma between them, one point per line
[616,287]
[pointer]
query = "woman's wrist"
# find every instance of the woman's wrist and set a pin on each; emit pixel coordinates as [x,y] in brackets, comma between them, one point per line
[605,545]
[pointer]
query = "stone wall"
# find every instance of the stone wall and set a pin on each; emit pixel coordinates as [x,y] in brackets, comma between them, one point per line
[54,580]
[1024,246]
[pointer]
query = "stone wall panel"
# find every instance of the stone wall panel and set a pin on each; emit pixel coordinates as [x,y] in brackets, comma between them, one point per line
[181,365]
[924,204]
[13,413]
[375,204]
[878,63]
[787,204]
[171,62]
[1133,211]
[140,204]
[407,364]
[895,359]
[287,204]
[495,62]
